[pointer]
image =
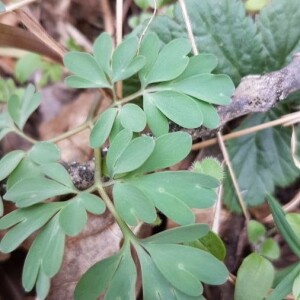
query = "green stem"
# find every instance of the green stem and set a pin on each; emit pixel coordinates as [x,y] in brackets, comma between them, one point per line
[131,97]
[25,136]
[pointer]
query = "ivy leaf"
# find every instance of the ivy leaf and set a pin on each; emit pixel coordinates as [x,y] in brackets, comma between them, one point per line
[134,155]
[20,108]
[177,106]
[96,279]
[102,128]
[132,117]
[176,50]
[156,120]
[73,217]
[116,148]
[88,73]
[44,152]
[32,190]
[24,222]
[132,205]
[102,50]
[180,234]
[9,162]
[265,155]
[185,267]
[125,63]
[254,278]
[169,149]
[45,255]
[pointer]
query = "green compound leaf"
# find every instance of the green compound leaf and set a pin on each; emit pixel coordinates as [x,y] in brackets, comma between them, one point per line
[132,117]
[283,226]
[132,205]
[116,148]
[20,108]
[42,285]
[179,108]
[9,162]
[156,120]
[102,128]
[102,50]
[210,115]
[44,152]
[73,217]
[32,190]
[254,278]
[24,222]
[92,203]
[58,173]
[149,48]
[122,285]
[161,70]
[210,88]
[134,155]
[169,149]
[155,285]
[180,234]
[125,63]
[88,74]
[184,267]
[255,231]
[174,193]
[45,255]
[266,155]
[269,249]
[284,287]
[97,278]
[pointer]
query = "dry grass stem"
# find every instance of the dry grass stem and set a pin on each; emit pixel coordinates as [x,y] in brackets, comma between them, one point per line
[108,17]
[14,6]
[217,213]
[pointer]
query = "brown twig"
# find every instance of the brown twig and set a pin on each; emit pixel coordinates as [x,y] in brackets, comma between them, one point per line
[108,17]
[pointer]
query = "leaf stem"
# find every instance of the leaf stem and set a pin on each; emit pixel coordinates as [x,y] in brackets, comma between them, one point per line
[25,136]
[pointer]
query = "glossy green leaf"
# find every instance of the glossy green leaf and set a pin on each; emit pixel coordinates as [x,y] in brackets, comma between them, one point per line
[169,149]
[296,287]
[57,172]
[42,285]
[9,162]
[102,128]
[294,221]
[155,285]
[199,64]
[24,222]
[175,51]
[255,231]
[254,278]
[102,50]
[122,285]
[194,189]
[124,60]
[132,117]
[116,148]
[156,120]
[73,217]
[86,69]
[134,155]
[44,152]
[91,203]
[96,279]
[216,89]
[179,108]
[266,155]
[181,234]
[32,190]
[285,286]
[185,266]
[269,249]
[132,205]
[283,226]
[45,254]
[20,108]
[149,48]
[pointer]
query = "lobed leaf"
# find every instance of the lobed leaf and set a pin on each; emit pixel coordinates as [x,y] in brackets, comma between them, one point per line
[9,162]
[92,203]
[44,152]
